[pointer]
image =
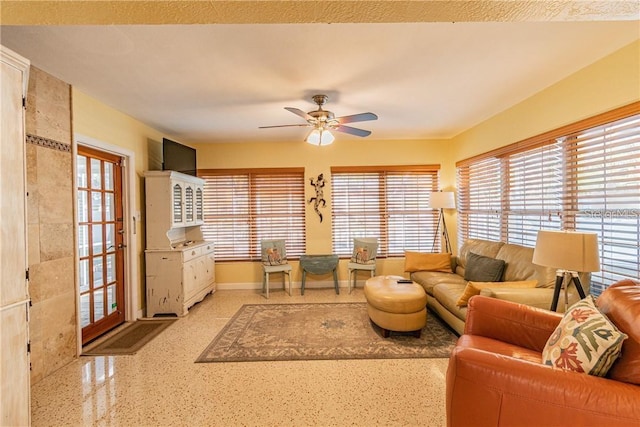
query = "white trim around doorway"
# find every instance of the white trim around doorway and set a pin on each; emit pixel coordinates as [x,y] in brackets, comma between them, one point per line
[132,223]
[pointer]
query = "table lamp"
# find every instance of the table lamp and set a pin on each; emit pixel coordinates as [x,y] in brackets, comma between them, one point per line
[569,252]
[442,200]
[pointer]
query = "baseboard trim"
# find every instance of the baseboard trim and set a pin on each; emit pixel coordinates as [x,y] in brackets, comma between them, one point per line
[276,284]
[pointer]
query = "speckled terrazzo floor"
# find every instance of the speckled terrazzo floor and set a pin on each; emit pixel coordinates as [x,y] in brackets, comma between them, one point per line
[162,386]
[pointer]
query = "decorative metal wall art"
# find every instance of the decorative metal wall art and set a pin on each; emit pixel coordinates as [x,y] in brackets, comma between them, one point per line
[319,197]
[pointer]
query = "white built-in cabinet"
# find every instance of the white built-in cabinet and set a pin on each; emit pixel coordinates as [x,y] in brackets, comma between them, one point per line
[178,279]
[180,265]
[14,293]
[179,200]
[187,208]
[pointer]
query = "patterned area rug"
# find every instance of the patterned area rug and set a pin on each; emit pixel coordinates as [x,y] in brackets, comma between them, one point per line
[327,331]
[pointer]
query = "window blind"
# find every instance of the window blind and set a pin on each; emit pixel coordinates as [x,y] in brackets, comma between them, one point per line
[480,200]
[606,190]
[390,203]
[533,187]
[242,207]
[584,176]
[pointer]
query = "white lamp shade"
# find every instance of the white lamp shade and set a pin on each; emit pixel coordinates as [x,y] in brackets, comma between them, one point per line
[442,199]
[567,250]
[320,137]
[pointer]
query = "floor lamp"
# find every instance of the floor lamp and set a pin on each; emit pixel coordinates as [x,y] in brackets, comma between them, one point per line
[442,200]
[569,252]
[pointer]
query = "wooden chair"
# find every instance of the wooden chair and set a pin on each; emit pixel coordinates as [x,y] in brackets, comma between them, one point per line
[363,258]
[274,260]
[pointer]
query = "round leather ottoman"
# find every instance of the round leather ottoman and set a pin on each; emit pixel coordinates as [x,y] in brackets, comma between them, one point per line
[396,306]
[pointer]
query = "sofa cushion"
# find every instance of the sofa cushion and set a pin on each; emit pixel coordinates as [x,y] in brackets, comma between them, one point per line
[474,288]
[481,247]
[483,269]
[419,261]
[519,266]
[584,341]
[429,279]
[621,304]
[518,260]
[447,295]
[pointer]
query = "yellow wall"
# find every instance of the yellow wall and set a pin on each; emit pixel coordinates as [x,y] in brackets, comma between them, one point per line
[318,160]
[612,82]
[609,83]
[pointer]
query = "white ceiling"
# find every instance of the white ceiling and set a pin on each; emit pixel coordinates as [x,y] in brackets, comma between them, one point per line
[220,82]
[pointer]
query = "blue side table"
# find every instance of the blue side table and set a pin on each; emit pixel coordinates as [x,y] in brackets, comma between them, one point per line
[319,264]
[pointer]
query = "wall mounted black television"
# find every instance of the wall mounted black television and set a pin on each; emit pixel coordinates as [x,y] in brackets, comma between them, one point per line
[178,157]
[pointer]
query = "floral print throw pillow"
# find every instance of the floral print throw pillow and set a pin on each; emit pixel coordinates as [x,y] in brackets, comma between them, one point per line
[274,252]
[584,341]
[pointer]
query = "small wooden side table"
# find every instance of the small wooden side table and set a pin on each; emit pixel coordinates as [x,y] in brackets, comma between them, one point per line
[319,264]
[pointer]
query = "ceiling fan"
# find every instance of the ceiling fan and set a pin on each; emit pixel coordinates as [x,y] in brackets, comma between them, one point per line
[324,121]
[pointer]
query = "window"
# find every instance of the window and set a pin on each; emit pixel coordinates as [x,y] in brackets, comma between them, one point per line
[390,203]
[583,177]
[242,207]
[606,190]
[533,189]
[479,205]
[510,197]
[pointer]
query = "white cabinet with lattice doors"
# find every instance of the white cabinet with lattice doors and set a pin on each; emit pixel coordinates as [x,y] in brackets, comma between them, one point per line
[179,263]
[181,194]
[14,294]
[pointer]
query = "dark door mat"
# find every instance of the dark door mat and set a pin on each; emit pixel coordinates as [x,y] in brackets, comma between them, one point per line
[130,339]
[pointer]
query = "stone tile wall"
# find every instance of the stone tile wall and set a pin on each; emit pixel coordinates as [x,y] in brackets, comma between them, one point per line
[51,238]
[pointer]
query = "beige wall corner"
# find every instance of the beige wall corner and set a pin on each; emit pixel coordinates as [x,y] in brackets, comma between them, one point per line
[51,238]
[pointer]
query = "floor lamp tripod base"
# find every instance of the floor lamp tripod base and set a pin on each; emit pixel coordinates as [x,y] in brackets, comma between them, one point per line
[445,234]
[560,275]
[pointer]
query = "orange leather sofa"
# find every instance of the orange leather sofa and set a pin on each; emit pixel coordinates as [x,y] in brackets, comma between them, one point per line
[496,376]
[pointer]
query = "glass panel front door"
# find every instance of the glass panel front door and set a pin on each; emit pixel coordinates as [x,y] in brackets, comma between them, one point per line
[100,242]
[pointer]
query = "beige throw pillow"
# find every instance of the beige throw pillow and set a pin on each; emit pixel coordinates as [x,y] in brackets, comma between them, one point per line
[419,261]
[474,288]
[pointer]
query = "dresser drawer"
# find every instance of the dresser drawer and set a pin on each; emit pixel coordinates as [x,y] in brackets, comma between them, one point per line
[191,253]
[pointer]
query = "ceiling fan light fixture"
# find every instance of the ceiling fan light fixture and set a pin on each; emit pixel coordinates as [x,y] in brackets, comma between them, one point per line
[320,137]
[322,121]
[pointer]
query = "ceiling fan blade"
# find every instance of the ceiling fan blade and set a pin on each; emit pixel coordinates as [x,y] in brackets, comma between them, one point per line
[352,131]
[300,113]
[284,126]
[362,117]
